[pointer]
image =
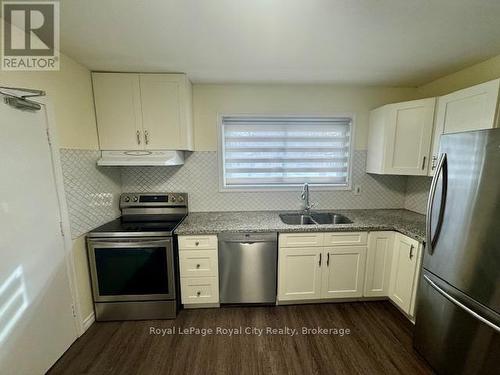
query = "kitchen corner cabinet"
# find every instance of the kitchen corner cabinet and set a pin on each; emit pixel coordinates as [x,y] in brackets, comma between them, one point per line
[405,273]
[379,264]
[399,138]
[331,265]
[143,111]
[473,108]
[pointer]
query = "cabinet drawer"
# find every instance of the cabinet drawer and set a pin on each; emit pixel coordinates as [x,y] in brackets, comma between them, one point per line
[301,239]
[199,290]
[346,238]
[197,242]
[198,263]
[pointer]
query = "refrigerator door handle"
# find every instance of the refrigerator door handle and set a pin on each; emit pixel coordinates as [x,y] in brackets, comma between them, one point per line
[442,168]
[461,305]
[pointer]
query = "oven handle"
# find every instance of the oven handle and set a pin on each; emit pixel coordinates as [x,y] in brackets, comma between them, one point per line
[131,244]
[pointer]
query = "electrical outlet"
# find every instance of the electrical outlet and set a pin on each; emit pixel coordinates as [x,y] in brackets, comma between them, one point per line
[357,189]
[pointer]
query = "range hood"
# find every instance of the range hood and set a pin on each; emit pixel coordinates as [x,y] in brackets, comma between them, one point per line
[141,158]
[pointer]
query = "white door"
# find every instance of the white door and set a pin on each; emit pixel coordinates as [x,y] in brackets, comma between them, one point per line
[473,108]
[343,272]
[161,117]
[299,273]
[409,137]
[404,267]
[378,264]
[36,319]
[118,110]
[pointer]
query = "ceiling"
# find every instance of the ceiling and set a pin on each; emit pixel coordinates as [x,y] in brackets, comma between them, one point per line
[369,42]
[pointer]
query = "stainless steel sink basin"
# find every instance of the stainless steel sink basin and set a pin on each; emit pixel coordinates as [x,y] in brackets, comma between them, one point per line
[314,218]
[330,218]
[297,219]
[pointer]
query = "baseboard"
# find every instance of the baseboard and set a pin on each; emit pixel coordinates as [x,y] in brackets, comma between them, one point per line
[87,322]
[201,305]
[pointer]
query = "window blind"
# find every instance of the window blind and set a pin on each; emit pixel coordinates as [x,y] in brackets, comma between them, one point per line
[285,151]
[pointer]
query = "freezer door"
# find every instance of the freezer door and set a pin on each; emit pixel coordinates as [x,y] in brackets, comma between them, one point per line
[463,241]
[455,334]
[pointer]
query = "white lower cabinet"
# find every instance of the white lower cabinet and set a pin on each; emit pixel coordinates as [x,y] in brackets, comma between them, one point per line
[318,272]
[343,274]
[299,273]
[379,264]
[199,270]
[357,265]
[404,275]
[199,290]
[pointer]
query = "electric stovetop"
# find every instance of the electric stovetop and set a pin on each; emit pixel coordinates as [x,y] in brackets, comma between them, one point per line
[121,228]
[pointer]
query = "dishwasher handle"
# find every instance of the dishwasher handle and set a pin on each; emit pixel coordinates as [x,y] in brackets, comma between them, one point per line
[248,238]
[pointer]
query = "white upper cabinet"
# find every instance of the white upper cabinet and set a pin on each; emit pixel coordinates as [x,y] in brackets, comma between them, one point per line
[118,110]
[143,111]
[400,138]
[473,108]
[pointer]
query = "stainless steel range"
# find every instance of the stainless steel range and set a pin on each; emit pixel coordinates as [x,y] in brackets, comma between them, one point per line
[133,259]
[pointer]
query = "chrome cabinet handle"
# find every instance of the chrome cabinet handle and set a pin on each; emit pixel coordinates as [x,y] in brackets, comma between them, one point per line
[146,137]
[197,266]
[328,260]
[423,162]
[320,259]
[198,293]
[197,243]
[138,133]
[411,251]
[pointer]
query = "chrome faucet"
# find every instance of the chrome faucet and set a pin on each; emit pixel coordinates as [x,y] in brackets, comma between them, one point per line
[305,197]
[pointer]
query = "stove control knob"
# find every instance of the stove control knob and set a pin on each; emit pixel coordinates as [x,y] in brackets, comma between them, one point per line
[172,198]
[135,199]
[126,199]
[180,199]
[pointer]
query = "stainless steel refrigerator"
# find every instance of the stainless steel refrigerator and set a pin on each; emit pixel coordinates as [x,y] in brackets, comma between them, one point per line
[458,312]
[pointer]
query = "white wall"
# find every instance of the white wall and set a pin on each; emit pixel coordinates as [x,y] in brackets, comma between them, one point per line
[473,75]
[209,100]
[70,92]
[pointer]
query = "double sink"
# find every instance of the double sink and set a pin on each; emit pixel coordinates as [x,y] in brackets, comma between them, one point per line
[314,218]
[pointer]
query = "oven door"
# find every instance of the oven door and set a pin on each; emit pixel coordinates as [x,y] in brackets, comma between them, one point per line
[131,269]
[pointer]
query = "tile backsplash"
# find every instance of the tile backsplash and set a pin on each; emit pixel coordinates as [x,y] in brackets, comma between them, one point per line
[417,192]
[199,178]
[92,193]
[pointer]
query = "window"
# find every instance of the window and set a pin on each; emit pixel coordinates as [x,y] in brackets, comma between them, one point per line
[264,152]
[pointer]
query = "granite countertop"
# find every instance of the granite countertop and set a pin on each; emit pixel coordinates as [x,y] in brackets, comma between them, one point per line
[403,221]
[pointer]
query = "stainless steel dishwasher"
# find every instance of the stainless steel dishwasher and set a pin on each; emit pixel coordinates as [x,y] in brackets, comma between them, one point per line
[247,267]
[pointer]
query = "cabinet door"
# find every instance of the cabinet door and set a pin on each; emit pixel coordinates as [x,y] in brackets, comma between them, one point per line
[343,272]
[404,267]
[118,111]
[409,132]
[378,264]
[473,108]
[161,114]
[299,273]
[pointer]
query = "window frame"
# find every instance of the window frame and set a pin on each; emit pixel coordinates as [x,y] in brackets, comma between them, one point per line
[292,187]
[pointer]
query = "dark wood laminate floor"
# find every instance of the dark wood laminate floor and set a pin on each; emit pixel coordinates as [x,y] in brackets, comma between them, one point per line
[379,343]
